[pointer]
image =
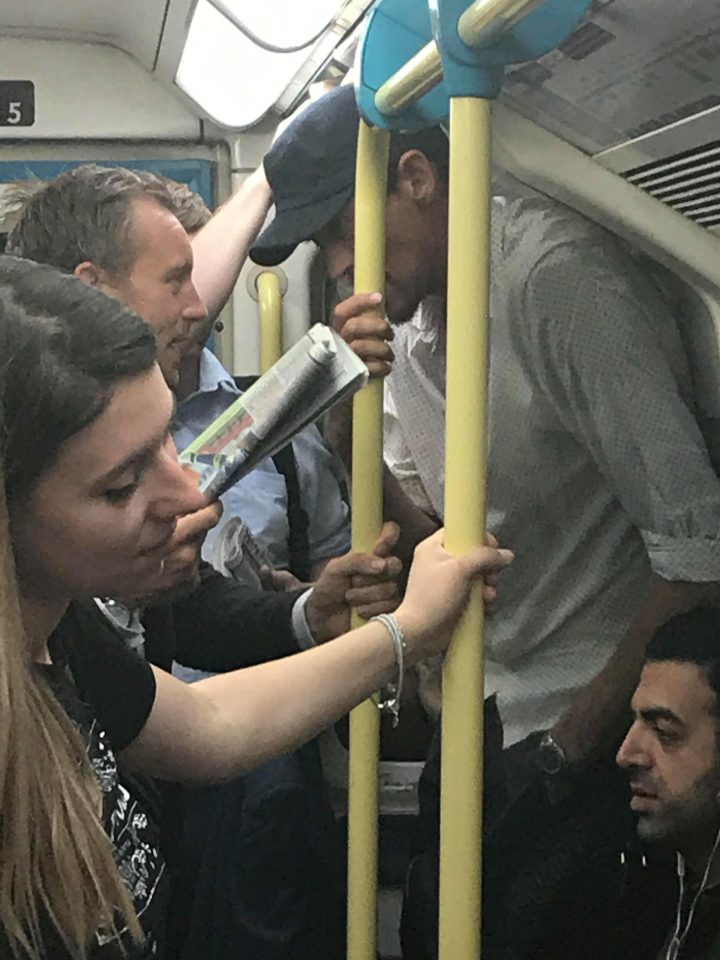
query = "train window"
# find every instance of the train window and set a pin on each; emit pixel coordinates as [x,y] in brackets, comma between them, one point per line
[282,23]
[220,69]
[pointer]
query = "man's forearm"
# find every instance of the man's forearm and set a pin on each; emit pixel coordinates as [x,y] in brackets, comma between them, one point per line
[223,625]
[415,525]
[598,715]
[221,247]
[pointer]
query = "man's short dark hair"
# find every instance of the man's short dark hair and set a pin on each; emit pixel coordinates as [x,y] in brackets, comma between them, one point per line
[692,637]
[311,170]
[431,141]
[85,214]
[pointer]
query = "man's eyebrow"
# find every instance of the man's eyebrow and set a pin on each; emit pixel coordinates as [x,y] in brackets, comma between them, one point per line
[141,455]
[653,714]
[179,270]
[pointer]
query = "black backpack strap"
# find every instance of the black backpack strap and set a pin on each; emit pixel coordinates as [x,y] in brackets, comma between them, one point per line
[298,542]
[298,539]
[244,383]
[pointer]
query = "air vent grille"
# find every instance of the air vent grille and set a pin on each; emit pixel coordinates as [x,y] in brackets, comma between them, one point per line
[689,182]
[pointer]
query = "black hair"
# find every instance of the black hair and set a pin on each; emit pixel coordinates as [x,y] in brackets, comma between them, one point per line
[692,637]
[431,141]
[64,346]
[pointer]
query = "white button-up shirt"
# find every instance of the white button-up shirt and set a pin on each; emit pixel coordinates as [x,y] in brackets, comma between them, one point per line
[598,473]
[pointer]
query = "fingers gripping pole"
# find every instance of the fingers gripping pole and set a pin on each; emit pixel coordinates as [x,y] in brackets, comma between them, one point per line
[465,469]
[370,189]
[270,308]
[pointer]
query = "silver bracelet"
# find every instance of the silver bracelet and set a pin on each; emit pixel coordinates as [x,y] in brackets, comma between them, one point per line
[388,701]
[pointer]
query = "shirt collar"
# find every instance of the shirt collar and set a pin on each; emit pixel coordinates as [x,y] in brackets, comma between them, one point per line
[213,374]
[429,321]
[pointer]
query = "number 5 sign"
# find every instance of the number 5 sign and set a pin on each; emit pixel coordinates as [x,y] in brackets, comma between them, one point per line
[17,103]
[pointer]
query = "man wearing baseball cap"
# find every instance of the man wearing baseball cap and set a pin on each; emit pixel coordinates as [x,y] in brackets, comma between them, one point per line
[311,191]
[593,442]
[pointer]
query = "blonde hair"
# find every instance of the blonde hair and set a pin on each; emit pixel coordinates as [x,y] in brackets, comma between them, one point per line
[57,860]
[57,866]
[14,196]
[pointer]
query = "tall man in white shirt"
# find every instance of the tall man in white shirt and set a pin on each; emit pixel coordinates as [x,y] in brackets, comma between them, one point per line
[599,475]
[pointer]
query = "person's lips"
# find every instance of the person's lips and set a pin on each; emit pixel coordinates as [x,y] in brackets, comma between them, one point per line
[159,544]
[642,799]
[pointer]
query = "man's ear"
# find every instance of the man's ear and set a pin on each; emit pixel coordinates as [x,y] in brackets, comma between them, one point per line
[89,273]
[417,177]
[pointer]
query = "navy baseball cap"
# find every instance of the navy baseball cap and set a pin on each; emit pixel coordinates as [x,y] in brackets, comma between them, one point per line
[311,170]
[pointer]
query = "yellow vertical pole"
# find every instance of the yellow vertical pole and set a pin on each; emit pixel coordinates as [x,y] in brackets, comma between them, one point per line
[270,308]
[370,190]
[465,470]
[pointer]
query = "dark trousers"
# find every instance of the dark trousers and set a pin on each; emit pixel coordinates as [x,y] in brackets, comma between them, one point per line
[262,868]
[563,876]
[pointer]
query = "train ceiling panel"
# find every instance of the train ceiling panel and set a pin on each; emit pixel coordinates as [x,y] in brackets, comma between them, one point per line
[637,87]
[230,45]
[234,59]
[133,25]
[632,68]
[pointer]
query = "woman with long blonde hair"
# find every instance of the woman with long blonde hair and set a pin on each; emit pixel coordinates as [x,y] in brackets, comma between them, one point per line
[90,491]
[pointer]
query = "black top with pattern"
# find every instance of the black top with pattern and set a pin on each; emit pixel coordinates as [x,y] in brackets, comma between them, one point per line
[108,692]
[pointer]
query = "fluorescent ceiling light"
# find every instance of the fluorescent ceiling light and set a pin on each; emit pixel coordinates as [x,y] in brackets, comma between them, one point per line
[232,79]
[284,23]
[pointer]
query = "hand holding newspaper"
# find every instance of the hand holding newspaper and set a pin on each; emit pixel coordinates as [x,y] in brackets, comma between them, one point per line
[314,375]
[238,554]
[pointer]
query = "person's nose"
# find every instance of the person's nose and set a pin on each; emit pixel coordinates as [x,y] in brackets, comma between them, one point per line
[177,484]
[632,752]
[340,261]
[195,308]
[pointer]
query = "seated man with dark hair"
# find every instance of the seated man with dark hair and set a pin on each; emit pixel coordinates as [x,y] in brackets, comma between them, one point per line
[639,878]
[672,756]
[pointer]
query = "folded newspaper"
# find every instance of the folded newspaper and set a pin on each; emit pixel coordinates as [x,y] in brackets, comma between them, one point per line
[314,375]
